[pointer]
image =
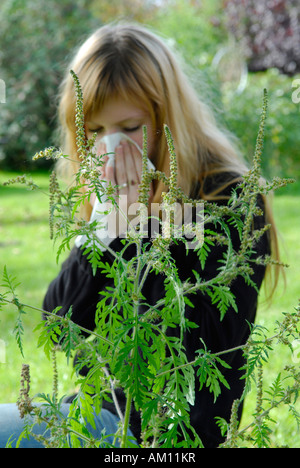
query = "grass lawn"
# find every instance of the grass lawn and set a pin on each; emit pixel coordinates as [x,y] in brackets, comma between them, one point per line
[28,253]
[287,218]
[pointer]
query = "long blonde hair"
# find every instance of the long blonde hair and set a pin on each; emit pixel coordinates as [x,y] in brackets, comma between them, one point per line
[129,61]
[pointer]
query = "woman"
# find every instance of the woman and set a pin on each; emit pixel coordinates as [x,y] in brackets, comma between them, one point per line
[130,79]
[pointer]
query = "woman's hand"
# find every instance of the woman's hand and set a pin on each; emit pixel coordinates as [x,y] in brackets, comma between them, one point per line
[126,172]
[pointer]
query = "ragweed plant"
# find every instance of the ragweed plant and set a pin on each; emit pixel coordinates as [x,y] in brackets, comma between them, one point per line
[129,347]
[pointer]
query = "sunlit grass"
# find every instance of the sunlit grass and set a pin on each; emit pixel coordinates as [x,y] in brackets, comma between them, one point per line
[286,298]
[28,253]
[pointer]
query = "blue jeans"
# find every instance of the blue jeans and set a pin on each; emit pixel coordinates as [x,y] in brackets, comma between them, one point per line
[11,426]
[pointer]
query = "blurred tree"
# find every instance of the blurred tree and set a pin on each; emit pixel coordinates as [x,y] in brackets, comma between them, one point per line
[269,31]
[194,26]
[281,156]
[194,29]
[137,10]
[35,38]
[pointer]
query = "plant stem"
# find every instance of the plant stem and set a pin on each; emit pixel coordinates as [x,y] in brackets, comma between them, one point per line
[219,353]
[135,313]
[126,420]
[90,332]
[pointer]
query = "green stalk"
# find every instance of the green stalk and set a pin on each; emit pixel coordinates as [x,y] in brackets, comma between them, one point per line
[126,420]
[136,311]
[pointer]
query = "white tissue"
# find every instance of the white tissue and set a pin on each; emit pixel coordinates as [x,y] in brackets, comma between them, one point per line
[112,141]
[99,212]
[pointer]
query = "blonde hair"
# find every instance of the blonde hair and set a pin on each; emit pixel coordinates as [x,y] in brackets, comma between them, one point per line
[129,61]
[132,62]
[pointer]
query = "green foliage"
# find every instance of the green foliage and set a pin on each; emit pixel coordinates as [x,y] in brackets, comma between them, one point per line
[204,31]
[133,350]
[10,284]
[281,147]
[200,32]
[209,373]
[35,38]
[39,36]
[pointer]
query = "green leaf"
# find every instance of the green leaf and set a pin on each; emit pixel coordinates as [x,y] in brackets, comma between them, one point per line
[205,248]
[209,373]
[223,298]
[9,282]
[19,331]
[49,332]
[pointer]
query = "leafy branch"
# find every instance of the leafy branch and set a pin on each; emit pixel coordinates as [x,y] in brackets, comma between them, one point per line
[130,347]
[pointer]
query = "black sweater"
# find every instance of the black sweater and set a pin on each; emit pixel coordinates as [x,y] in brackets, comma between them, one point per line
[76,286]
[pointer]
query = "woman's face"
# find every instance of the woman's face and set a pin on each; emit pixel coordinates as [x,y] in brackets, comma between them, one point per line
[119,115]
